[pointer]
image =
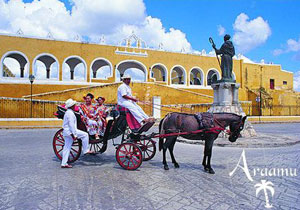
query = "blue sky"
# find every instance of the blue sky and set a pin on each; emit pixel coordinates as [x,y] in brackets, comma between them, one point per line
[199,20]
[262,29]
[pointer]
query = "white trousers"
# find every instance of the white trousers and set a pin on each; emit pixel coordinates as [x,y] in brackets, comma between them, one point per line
[137,112]
[68,145]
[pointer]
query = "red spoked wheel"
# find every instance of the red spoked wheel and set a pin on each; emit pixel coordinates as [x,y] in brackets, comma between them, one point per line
[148,148]
[58,146]
[95,145]
[129,156]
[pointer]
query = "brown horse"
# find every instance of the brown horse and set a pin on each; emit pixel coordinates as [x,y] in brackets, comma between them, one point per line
[182,122]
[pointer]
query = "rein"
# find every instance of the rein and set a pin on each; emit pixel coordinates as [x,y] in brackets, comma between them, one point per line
[215,130]
[155,106]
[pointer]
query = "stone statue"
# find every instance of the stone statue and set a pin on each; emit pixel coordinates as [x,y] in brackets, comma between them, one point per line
[227,52]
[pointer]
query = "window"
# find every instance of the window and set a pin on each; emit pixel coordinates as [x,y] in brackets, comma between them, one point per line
[284,82]
[272,84]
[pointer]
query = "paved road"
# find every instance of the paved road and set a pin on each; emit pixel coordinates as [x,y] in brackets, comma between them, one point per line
[32,179]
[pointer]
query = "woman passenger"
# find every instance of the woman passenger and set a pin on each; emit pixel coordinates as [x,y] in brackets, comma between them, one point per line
[101,113]
[87,111]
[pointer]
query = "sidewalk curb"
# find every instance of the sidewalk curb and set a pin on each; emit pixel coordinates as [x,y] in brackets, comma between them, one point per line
[263,142]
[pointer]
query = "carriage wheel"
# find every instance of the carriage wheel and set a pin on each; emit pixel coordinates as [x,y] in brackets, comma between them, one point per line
[148,148]
[58,145]
[129,156]
[96,146]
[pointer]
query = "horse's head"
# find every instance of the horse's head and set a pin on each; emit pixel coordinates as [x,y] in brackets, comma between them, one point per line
[235,128]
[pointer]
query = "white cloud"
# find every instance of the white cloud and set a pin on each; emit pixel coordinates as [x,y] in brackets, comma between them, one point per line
[297,81]
[103,73]
[250,34]
[290,46]
[221,30]
[278,52]
[90,19]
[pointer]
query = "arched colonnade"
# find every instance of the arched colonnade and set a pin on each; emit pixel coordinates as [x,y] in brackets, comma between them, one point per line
[45,66]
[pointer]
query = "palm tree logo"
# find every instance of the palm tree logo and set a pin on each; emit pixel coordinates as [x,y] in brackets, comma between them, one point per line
[265,185]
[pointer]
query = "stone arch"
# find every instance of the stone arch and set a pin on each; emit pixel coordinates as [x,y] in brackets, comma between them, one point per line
[131,66]
[196,76]
[178,75]
[21,59]
[74,68]
[159,72]
[50,68]
[99,68]
[212,76]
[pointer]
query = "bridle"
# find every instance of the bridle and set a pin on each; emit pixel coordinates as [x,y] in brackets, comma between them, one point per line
[238,129]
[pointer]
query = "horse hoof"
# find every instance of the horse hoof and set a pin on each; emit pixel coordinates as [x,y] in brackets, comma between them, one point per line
[176,165]
[166,167]
[211,171]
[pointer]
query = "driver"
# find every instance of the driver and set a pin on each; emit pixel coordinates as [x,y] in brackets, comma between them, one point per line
[125,99]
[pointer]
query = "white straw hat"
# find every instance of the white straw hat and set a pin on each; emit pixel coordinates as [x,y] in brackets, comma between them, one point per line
[126,76]
[70,102]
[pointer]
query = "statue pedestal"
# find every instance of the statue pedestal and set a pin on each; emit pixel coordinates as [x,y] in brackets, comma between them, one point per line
[226,99]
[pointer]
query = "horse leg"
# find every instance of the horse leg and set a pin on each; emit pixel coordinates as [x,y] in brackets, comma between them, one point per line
[204,157]
[208,153]
[166,167]
[166,146]
[171,149]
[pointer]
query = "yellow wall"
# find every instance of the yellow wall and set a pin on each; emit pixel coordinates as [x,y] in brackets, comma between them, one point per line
[19,90]
[250,76]
[143,91]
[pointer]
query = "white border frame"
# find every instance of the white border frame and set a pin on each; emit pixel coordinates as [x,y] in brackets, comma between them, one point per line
[17,52]
[212,69]
[202,77]
[164,68]
[134,61]
[185,77]
[107,61]
[50,55]
[234,77]
[84,63]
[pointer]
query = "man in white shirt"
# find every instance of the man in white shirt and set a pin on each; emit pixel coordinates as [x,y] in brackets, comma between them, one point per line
[126,100]
[71,133]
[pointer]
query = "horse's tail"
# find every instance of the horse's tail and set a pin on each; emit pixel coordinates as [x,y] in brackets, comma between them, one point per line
[161,131]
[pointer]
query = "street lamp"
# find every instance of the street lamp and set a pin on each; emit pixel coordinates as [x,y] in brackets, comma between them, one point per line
[31,79]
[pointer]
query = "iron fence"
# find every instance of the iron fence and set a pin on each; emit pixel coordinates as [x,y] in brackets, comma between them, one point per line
[21,108]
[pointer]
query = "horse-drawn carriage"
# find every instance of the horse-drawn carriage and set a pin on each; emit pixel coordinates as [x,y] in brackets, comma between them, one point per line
[130,152]
[135,146]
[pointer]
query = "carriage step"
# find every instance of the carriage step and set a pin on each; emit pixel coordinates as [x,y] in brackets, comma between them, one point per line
[145,127]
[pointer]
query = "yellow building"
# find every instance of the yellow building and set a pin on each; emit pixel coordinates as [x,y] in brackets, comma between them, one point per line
[60,67]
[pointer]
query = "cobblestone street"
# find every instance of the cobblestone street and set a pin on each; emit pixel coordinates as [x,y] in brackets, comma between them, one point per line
[31,177]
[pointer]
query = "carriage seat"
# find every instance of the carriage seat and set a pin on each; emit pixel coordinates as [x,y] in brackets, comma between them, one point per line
[205,119]
[133,124]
